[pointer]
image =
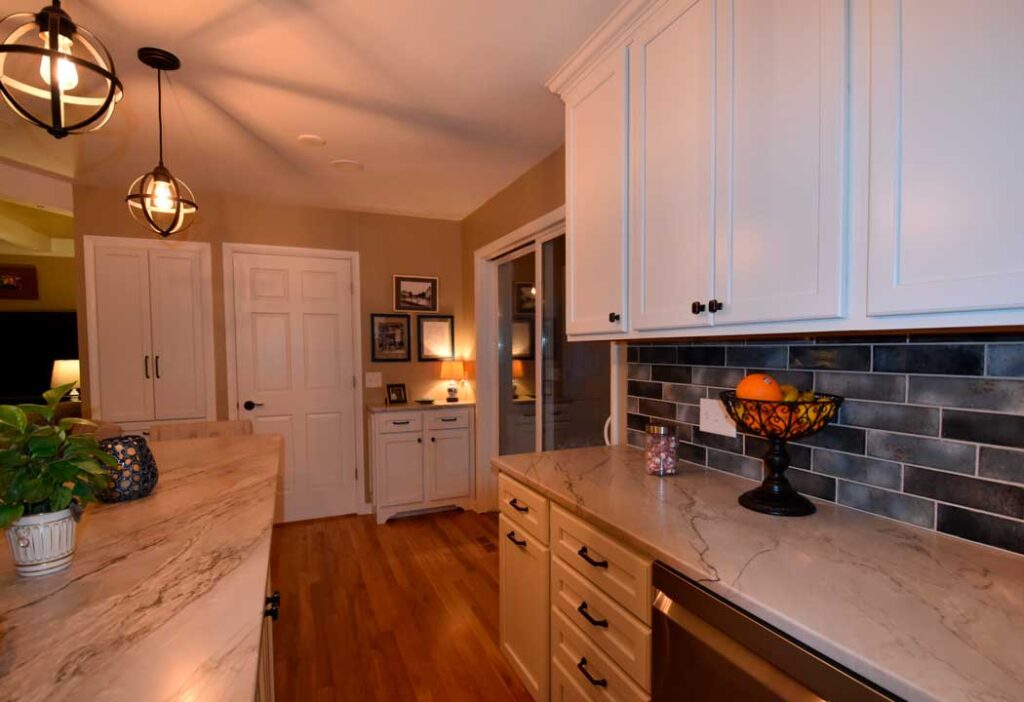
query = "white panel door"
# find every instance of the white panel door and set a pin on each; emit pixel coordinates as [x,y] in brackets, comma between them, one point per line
[780,159]
[122,312]
[523,613]
[672,59]
[176,304]
[947,146]
[295,327]
[597,138]
[401,480]
[450,464]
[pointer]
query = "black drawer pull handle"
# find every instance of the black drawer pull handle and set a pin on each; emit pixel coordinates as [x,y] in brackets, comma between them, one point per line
[585,555]
[449,419]
[145,363]
[511,536]
[156,365]
[514,504]
[582,609]
[396,423]
[596,682]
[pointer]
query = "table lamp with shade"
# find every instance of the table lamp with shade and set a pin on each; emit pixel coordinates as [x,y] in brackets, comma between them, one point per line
[453,371]
[64,372]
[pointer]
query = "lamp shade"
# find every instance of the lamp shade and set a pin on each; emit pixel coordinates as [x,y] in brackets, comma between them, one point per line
[453,370]
[65,372]
[518,369]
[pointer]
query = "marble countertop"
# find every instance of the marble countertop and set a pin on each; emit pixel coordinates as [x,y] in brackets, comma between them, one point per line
[438,405]
[164,598]
[924,615]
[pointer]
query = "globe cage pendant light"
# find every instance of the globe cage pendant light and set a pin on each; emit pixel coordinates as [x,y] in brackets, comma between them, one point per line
[55,74]
[157,199]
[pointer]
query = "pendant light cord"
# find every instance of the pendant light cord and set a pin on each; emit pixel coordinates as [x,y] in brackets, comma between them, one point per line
[160,112]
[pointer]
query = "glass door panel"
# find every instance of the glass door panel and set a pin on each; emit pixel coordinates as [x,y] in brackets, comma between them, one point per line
[517,309]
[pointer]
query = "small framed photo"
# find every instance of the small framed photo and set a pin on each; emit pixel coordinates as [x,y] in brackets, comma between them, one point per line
[18,282]
[396,394]
[390,339]
[522,338]
[436,336]
[525,297]
[415,293]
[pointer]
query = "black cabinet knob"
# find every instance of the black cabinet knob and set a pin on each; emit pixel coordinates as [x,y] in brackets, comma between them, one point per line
[614,317]
[275,599]
[250,405]
[714,306]
[273,606]
[698,307]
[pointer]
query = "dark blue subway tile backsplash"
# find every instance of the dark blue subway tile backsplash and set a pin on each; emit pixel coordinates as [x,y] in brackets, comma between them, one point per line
[931,433]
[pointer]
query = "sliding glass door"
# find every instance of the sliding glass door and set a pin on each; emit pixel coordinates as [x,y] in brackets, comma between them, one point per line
[552,394]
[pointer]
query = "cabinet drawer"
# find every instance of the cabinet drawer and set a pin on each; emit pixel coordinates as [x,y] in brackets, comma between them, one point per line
[401,421]
[619,572]
[447,420]
[574,657]
[612,628]
[524,506]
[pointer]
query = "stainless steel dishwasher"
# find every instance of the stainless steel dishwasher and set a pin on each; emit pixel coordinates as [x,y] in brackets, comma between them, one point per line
[707,650]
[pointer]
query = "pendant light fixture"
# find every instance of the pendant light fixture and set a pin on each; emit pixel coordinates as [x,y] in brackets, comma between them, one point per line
[159,200]
[55,74]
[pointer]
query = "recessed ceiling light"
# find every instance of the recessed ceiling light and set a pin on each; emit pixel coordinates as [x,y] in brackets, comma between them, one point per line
[347,164]
[312,140]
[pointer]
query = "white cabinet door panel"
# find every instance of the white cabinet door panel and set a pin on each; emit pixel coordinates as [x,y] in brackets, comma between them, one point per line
[401,466]
[124,354]
[177,314]
[523,596]
[672,65]
[947,107]
[781,145]
[450,464]
[596,128]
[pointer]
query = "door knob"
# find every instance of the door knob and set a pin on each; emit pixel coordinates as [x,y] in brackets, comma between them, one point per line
[250,405]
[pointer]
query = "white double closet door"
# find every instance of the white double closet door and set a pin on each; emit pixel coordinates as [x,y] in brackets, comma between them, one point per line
[296,360]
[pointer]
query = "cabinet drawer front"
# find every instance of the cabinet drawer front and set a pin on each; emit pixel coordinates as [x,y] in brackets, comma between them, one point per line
[523,609]
[452,419]
[523,506]
[577,657]
[401,421]
[612,628]
[619,572]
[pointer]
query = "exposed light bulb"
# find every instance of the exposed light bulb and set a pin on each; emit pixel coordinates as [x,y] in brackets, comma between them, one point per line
[67,73]
[161,196]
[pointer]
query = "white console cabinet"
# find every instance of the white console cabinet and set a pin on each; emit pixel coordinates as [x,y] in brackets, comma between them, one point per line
[421,457]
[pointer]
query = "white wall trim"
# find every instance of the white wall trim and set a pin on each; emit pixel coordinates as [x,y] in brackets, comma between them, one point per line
[228,251]
[92,331]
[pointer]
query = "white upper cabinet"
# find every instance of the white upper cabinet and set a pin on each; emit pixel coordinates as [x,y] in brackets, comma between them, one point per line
[672,65]
[947,146]
[780,163]
[596,134]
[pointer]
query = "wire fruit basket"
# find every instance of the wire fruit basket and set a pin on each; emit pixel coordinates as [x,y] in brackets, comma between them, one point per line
[779,422]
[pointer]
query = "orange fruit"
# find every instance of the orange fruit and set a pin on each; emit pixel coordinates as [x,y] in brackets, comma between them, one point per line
[758,386]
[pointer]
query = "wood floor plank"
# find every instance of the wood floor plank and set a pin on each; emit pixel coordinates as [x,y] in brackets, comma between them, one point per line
[403,611]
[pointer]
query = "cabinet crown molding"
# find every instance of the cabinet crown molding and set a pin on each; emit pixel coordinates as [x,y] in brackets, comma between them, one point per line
[610,34]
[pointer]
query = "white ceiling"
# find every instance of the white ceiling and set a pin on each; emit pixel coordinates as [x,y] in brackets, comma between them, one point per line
[442,100]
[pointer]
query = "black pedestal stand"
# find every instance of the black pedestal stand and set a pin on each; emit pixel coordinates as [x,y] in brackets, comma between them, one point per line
[775,495]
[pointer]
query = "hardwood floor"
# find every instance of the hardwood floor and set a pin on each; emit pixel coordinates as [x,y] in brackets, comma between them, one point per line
[403,611]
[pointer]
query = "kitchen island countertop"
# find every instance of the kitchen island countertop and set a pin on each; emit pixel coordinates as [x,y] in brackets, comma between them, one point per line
[924,615]
[164,597]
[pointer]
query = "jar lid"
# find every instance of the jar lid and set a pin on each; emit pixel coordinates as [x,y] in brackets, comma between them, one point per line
[657,429]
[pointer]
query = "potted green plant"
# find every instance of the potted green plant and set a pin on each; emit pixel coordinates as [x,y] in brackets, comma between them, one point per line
[47,476]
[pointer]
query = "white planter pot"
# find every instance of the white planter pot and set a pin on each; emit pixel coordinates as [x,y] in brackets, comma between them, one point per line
[42,543]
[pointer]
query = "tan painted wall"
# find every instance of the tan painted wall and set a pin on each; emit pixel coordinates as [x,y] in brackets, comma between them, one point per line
[58,287]
[535,193]
[386,245]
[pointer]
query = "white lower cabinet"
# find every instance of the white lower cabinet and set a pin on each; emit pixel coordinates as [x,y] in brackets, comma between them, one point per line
[421,459]
[585,669]
[523,604]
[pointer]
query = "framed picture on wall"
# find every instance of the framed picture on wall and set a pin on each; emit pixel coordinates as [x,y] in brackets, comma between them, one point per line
[525,297]
[390,340]
[415,293]
[395,394]
[436,336]
[522,338]
[18,282]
